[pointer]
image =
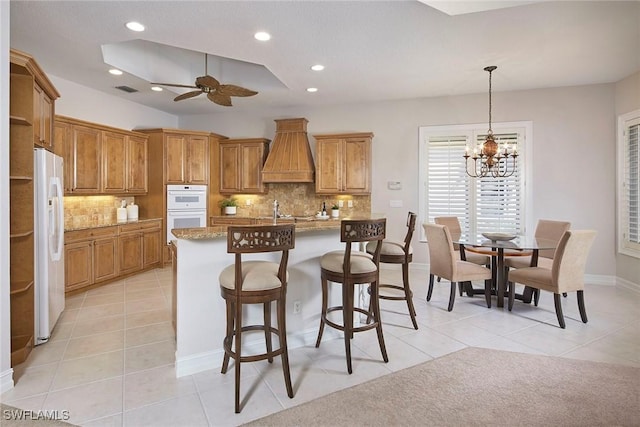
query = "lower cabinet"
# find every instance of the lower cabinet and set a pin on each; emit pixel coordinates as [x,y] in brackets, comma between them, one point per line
[100,255]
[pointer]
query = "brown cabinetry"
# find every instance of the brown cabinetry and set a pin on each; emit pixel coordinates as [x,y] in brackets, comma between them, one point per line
[343,163]
[241,162]
[43,111]
[101,160]
[26,83]
[187,159]
[100,255]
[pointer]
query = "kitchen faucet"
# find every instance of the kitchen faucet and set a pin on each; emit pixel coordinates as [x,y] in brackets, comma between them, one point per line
[276,212]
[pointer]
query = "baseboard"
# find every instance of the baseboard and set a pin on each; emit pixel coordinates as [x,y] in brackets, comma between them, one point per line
[600,279]
[6,380]
[624,283]
[198,363]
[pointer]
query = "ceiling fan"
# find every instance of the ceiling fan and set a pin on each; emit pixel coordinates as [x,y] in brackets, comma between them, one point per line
[216,92]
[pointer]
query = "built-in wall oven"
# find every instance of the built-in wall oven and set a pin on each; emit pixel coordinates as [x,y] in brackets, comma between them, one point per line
[186,207]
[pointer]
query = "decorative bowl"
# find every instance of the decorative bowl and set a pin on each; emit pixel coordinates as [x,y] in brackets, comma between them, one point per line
[494,237]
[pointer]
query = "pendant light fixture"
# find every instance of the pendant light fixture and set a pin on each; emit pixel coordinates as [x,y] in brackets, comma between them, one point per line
[491,160]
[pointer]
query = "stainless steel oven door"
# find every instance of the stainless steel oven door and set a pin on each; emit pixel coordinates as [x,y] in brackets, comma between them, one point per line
[185,219]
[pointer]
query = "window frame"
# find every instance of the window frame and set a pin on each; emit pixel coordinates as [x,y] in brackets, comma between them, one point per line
[625,247]
[472,130]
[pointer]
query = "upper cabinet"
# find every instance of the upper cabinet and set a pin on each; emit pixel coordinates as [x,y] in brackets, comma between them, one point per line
[343,163]
[100,159]
[241,162]
[43,112]
[187,158]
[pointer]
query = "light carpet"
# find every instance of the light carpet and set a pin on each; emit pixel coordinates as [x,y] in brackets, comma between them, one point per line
[477,386]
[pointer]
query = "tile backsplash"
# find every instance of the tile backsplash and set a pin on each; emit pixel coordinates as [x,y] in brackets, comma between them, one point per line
[90,211]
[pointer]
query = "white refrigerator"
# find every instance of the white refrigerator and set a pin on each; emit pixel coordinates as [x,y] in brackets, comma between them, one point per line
[49,243]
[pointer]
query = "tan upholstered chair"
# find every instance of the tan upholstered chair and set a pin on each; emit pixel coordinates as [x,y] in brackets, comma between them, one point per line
[548,230]
[453,224]
[394,252]
[350,268]
[444,263]
[256,282]
[565,275]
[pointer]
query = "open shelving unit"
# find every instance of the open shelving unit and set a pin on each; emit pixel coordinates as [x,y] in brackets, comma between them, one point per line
[25,75]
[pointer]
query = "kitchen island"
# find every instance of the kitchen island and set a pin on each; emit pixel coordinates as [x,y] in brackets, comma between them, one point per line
[200,254]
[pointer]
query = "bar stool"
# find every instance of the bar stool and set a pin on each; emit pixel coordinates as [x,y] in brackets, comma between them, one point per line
[350,268]
[255,282]
[393,252]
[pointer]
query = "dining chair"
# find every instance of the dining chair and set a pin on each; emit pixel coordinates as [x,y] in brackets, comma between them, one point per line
[398,252]
[471,255]
[444,263]
[256,282]
[565,275]
[545,229]
[350,268]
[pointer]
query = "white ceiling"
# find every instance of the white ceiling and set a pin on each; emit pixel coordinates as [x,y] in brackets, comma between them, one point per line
[372,50]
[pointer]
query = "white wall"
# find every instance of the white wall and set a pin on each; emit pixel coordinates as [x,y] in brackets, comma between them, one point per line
[81,102]
[627,100]
[6,378]
[573,153]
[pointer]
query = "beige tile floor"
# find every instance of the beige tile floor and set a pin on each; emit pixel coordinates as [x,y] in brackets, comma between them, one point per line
[110,360]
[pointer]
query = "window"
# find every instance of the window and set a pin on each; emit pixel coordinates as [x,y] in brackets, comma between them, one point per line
[629,184]
[481,204]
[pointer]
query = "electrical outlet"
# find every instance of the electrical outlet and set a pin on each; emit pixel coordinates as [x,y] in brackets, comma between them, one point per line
[297,307]
[340,203]
[350,203]
[248,202]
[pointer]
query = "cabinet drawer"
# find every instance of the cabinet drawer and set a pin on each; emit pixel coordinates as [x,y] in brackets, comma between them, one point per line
[90,233]
[139,226]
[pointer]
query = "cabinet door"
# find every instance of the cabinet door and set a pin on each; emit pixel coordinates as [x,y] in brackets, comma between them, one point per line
[197,166]
[137,162]
[251,168]
[151,245]
[104,259]
[130,253]
[356,170]
[229,164]
[113,162]
[329,166]
[62,147]
[46,121]
[78,265]
[175,158]
[86,168]
[37,115]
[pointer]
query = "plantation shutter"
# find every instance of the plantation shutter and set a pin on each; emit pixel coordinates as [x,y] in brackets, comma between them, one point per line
[447,182]
[632,183]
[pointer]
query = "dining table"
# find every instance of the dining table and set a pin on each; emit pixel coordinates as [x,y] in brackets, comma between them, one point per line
[500,249]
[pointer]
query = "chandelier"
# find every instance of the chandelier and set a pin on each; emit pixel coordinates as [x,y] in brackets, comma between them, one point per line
[490,159]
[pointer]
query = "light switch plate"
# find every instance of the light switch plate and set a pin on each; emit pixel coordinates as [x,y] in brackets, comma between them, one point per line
[394,185]
[340,203]
[395,203]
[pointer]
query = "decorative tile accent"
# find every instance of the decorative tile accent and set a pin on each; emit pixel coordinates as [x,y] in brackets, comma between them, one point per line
[91,211]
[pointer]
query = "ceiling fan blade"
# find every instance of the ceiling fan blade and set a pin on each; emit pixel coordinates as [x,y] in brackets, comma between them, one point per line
[233,90]
[187,95]
[174,85]
[219,98]
[208,81]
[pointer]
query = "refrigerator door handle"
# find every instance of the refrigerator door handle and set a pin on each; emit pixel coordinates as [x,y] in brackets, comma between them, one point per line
[56,221]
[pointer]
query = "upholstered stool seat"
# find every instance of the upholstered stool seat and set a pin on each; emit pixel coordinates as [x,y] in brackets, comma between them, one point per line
[349,268]
[256,282]
[395,252]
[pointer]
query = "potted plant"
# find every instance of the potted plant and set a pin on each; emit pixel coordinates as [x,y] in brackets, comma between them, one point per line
[335,211]
[229,205]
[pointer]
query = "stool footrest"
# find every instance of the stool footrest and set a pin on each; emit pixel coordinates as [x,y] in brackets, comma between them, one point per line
[365,327]
[228,341]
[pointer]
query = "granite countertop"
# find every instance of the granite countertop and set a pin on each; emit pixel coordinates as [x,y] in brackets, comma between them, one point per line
[214,232]
[109,224]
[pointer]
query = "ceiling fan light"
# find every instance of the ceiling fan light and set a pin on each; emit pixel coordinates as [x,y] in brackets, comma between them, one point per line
[262,36]
[312,89]
[156,88]
[135,26]
[115,72]
[317,67]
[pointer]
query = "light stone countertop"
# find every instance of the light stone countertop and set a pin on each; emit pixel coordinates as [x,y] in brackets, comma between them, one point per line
[221,230]
[109,224]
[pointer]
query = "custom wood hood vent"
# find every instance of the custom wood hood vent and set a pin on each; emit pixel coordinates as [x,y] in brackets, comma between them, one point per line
[289,158]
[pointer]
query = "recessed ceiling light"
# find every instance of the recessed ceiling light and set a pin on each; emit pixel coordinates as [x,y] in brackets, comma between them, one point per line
[156,88]
[312,89]
[262,36]
[115,72]
[317,67]
[135,26]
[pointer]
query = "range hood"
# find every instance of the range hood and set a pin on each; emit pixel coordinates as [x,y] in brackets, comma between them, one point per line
[289,158]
